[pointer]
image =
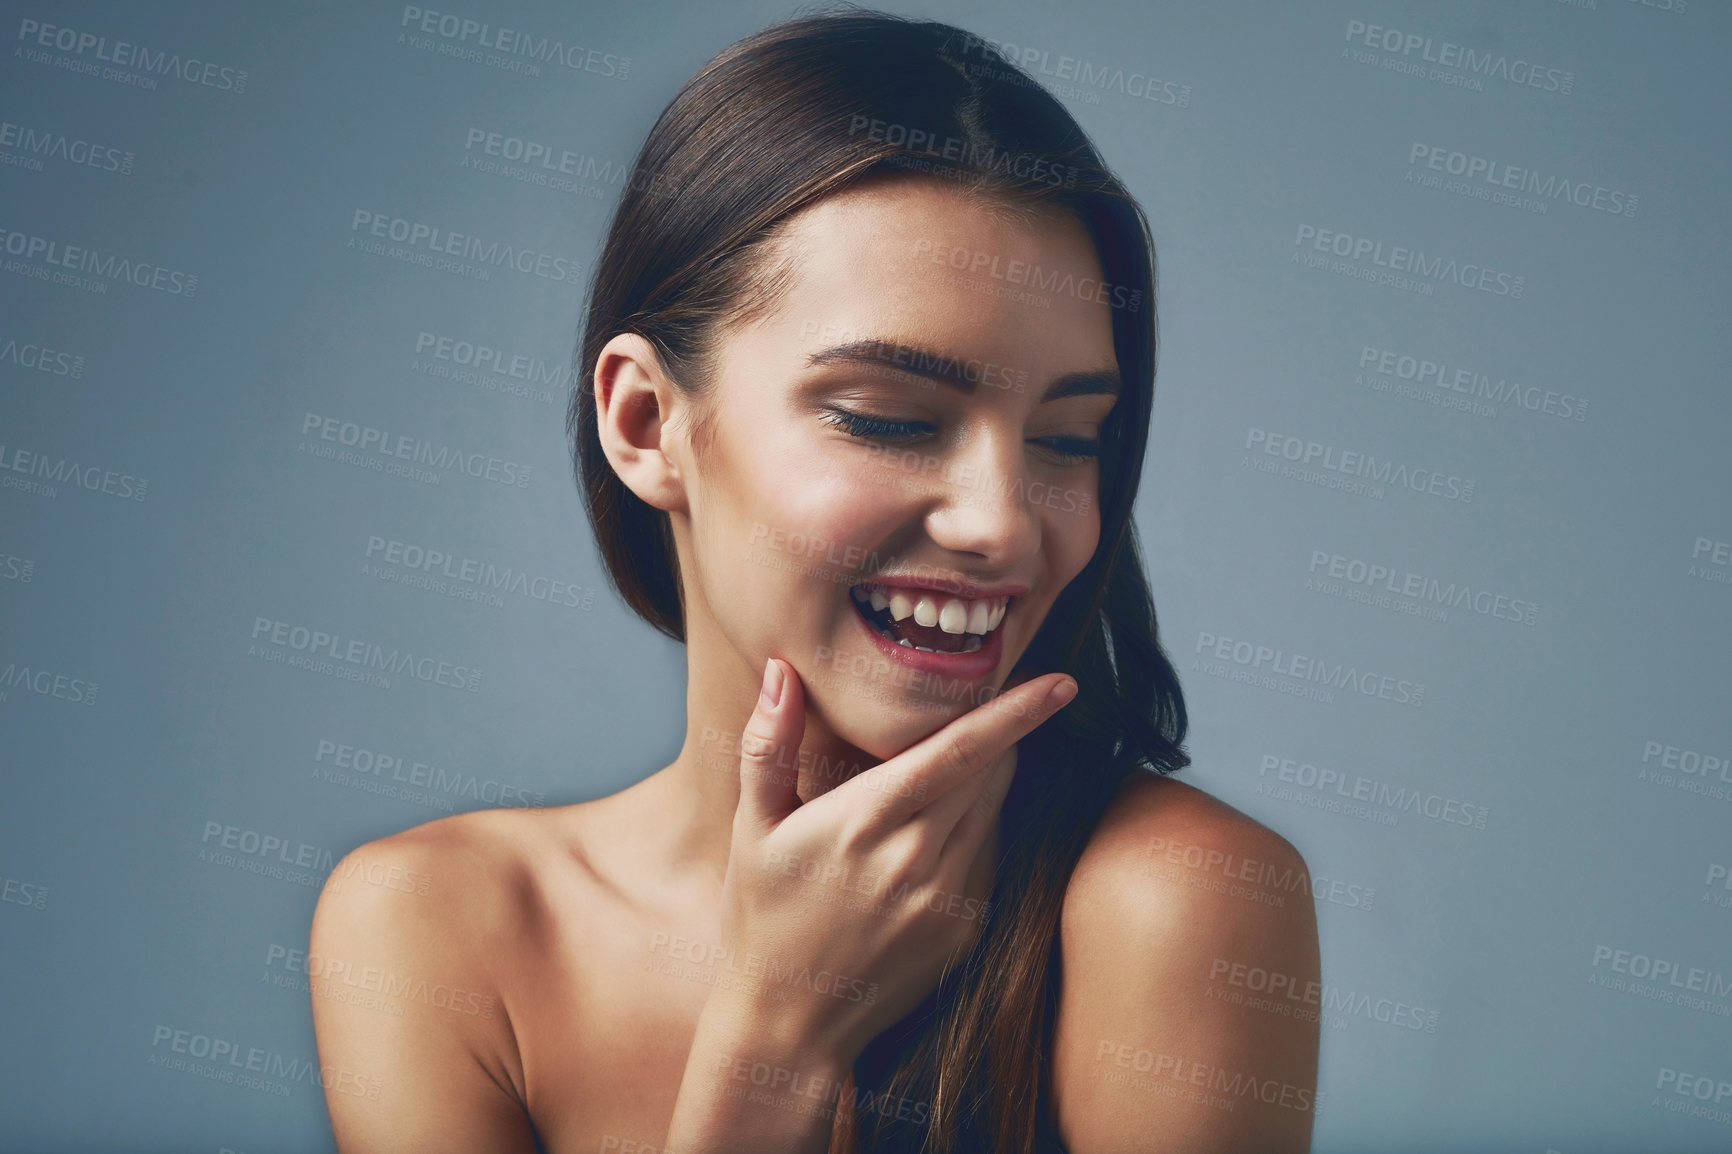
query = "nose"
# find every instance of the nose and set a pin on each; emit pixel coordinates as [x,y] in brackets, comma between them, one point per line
[981,504]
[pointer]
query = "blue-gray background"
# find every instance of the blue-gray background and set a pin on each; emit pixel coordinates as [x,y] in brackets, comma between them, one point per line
[1483,986]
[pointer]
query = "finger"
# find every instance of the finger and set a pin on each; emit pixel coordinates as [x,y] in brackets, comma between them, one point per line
[770,749]
[939,818]
[953,757]
[968,832]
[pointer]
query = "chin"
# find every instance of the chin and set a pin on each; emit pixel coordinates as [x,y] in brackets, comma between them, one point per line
[881,730]
[882,715]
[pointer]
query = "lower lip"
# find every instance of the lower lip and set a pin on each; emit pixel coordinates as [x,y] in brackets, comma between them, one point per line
[962,666]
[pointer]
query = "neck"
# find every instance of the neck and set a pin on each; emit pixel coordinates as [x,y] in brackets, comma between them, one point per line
[699,791]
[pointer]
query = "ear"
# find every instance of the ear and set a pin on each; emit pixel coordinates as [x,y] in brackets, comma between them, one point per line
[635,403]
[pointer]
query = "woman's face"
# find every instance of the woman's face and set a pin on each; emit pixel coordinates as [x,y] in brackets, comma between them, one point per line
[901,473]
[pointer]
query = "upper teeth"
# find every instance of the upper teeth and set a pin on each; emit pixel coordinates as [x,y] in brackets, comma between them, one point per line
[951,614]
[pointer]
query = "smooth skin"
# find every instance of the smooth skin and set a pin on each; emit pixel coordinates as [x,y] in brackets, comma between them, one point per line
[636,971]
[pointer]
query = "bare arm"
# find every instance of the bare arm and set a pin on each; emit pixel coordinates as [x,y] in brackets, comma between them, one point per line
[1188,1021]
[400,998]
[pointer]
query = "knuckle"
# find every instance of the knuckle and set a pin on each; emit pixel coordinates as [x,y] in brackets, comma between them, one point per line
[853,836]
[962,753]
[757,746]
[898,862]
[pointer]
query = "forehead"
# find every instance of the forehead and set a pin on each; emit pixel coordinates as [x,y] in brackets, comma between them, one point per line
[924,262]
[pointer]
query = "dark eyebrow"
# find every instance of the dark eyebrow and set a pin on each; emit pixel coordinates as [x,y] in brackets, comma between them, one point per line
[954,371]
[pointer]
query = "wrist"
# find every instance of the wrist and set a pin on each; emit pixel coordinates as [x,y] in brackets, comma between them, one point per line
[756,1080]
[757,1027]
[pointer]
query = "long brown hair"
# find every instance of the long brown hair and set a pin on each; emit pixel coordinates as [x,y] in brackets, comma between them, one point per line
[774,123]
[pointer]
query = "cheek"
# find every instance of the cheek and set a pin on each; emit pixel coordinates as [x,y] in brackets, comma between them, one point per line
[795,531]
[781,508]
[1072,523]
[821,506]
[757,492]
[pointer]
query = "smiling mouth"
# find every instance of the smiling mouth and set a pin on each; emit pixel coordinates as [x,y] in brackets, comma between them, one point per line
[928,620]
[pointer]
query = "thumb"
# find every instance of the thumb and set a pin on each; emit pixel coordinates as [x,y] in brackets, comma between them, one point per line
[770,748]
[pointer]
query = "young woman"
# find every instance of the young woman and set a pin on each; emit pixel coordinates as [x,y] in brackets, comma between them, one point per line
[868,369]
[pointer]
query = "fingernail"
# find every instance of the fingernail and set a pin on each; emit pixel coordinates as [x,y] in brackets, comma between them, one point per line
[1060,695]
[770,695]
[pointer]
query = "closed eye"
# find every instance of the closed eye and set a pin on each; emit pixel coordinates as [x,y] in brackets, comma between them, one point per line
[876,428]
[1068,450]
[1071,449]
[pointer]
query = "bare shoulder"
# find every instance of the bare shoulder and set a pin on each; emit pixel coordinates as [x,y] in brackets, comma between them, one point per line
[409,964]
[1164,837]
[447,879]
[1176,897]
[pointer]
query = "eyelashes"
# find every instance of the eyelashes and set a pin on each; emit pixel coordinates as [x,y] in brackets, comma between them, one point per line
[876,428]
[1069,450]
[1072,449]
